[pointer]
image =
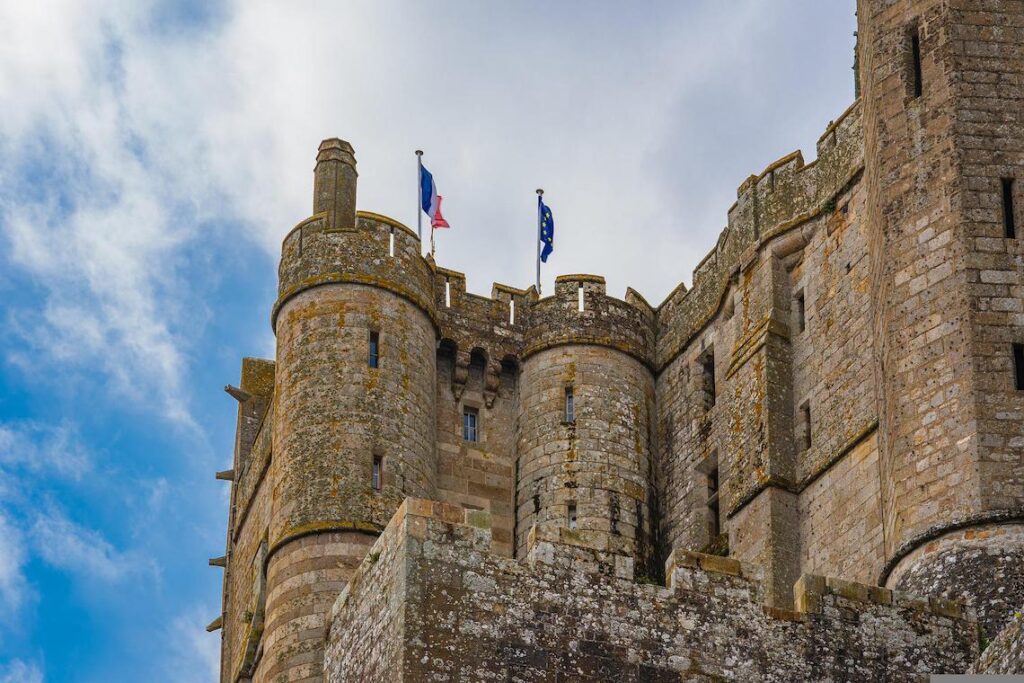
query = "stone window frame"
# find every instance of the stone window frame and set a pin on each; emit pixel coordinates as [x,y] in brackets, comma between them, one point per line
[711,481]
[805,423]
[373,349]
[569,404]
[474,408]
[708,381]
[571,515]
[377,473]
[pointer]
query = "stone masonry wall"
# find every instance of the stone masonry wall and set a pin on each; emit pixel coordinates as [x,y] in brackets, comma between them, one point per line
[430,603]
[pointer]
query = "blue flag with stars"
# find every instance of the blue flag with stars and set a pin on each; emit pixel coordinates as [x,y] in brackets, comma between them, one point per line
[547,229]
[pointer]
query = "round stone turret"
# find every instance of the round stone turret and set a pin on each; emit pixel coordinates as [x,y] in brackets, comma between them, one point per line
[585,411]
[354,416]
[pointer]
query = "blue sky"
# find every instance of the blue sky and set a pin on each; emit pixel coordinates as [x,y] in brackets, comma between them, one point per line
[152,156]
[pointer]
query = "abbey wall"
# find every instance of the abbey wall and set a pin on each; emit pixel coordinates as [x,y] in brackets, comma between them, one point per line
[648,492]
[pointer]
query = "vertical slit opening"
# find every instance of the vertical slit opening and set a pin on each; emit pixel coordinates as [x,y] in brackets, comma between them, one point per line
[375,479]
[1009,219]
[801,311]
[708,379]
[512,312]
[579,298]
[1018,366]
[714,513]
[374,356]
[805,424]
[391,242]
[570,405]
[571,515]
[917,79]
[447,293]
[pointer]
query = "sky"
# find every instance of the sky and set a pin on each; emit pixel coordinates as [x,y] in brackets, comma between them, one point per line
[153,154]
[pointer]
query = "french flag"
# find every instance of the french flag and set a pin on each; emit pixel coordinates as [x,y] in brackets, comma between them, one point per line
[430,199]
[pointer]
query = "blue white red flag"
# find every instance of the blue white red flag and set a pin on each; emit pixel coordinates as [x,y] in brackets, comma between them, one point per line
[430,199]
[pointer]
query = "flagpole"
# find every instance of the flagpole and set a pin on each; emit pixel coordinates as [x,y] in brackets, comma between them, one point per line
[419,195]
[540,195]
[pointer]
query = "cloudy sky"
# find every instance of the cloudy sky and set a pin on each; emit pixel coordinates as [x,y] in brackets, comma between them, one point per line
[154,153]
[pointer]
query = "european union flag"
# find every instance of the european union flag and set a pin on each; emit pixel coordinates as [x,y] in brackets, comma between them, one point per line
[547,229]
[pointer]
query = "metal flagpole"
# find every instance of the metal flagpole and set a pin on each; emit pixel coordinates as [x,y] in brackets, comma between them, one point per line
[540,196]
[419,195]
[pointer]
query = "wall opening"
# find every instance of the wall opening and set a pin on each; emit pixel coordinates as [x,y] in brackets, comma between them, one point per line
[1009,219]
[571,515]
[709,390]
[579,298]
[1018,366]
[378,471]
[916,76]
[447,293]
[708,471]
[374,352]
[512,312]
[470,424]
[570,407]
[800,309]
[805,425]
[391,242]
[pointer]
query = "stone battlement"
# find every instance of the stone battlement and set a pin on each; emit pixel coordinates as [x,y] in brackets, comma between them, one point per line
[383,252]
[452,609]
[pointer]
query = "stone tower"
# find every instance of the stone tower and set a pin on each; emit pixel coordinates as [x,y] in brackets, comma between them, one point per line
[353,427]
[944,145]
[585,419]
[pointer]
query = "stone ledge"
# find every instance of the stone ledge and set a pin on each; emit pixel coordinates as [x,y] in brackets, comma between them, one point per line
[810,589]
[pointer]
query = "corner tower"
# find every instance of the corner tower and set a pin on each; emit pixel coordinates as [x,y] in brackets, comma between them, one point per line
[943,86]
[354,423]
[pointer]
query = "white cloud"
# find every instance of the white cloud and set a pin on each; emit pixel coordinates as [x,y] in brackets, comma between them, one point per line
[52,450]
[14,589]
[84,552]
[18,671]
[192,654]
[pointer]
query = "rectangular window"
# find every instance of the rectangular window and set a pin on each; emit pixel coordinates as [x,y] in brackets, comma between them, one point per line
[391,242]
[570,408]
[470,418]
[916,77]
[579,298]
[374,359]
[707,364]
[1009,219]
[571,515]
[376,476]
[805,425]
[799,306]
[714,514]
[1018,365]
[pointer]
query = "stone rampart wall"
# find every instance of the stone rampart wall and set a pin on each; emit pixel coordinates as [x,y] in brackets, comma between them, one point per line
[430,603]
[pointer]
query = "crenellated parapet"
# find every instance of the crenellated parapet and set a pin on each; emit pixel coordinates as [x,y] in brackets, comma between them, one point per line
[770,209]
[378,252]
[581,312]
